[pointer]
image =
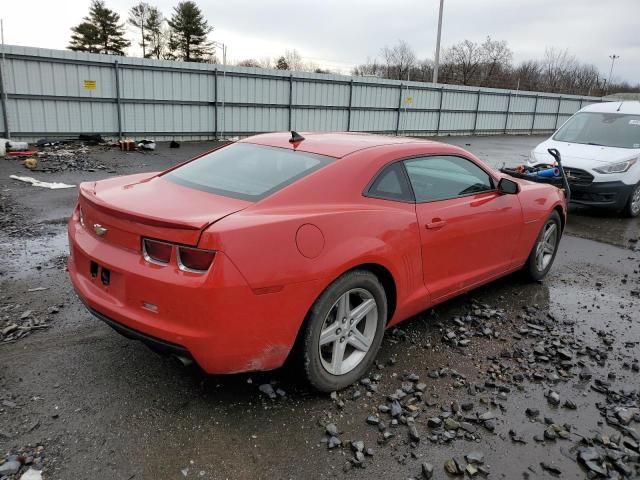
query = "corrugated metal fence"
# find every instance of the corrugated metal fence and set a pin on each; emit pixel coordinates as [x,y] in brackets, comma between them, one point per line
[62,93]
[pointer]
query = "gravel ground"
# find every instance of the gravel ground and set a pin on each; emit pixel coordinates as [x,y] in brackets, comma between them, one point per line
[513,380]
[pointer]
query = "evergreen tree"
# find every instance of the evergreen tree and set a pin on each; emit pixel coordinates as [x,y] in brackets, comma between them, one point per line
[281,63]
[100,32]
[189,30]
[138,18]
[85,38]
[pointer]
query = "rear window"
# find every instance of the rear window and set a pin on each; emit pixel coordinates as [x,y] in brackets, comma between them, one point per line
[247,171]
[605,129]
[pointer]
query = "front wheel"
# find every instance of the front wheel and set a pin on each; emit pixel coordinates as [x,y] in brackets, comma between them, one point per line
[344,331]
[632,209]
[544,251]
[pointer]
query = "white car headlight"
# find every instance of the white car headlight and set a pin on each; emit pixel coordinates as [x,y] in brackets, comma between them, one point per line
[619,167]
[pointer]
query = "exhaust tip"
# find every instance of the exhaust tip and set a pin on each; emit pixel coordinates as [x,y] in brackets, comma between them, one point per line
[184,361]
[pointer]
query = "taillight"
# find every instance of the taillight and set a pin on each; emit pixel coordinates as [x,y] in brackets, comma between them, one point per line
[155,251]
[194,259]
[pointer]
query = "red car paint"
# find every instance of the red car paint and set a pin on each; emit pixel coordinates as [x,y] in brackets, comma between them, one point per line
[275,256]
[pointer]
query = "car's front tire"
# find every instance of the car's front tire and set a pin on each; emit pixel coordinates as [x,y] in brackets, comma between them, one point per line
[344,330]
[545,249]
[632,208]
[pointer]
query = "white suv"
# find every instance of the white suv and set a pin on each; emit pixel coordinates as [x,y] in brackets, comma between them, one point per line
[600,149]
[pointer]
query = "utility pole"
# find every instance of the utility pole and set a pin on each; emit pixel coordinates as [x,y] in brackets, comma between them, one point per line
[613,58]
[437,59]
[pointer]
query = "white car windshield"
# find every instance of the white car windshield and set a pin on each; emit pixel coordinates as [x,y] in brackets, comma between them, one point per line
[606,129]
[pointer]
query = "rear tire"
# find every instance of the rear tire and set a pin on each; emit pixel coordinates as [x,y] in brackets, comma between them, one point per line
[344,330]
[632,208]
[545,249]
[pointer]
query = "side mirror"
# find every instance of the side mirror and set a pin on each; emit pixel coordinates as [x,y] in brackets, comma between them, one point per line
[508,187]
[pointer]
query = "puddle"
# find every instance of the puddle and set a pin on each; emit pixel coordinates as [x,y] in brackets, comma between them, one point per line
[22,257]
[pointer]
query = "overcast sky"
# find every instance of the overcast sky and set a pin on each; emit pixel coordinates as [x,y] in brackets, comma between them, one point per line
[340,33]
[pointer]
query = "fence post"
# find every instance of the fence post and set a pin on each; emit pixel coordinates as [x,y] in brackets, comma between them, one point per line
[290,101]
[215,103]
[535,110]
[475,119]
[3,99]
[439,111]
[506,117]
[350,105]
[558,111]
[399,110]
[117,71]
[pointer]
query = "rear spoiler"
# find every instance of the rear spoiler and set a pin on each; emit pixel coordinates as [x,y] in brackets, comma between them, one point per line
[93,202]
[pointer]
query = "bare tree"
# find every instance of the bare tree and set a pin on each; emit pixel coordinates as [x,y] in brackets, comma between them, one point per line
[464,60]
[423,71]
[294,60]
[527,75]
[156,35]
[399,59]
[138,18]
[496,56]
[254,63]
[490,64]
[249,62]
[265,62]
[556,66]
[371,68]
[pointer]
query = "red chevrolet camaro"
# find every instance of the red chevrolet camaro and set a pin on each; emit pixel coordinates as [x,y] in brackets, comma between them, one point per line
[278,244]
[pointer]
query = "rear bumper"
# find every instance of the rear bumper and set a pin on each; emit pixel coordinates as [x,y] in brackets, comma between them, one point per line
[216,318]
[155,344]
[614,195]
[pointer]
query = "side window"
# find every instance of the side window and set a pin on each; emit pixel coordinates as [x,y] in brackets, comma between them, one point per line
[391,184]
[442,177]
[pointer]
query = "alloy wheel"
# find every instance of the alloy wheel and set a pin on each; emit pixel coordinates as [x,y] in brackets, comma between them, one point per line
[546,246]
[348,331]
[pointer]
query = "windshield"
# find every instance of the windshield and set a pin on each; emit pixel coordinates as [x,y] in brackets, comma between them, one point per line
[246,171]
[606,129]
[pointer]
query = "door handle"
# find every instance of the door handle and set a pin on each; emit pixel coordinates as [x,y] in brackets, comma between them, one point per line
[435,224]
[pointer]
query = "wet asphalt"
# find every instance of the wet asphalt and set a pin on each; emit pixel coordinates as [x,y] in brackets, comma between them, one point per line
[104,407]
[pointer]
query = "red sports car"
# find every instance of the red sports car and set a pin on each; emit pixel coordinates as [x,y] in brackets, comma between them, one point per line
[311,245]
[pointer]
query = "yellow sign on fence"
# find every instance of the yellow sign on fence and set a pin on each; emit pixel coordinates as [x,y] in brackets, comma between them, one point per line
[89,84]
[408,100]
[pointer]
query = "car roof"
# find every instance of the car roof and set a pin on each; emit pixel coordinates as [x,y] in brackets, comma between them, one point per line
[631,107]
[335,144]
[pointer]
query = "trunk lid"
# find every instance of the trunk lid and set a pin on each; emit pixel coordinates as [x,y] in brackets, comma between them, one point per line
[146,205]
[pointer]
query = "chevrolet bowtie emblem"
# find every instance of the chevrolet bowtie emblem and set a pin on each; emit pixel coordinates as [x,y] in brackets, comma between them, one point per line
[99,229]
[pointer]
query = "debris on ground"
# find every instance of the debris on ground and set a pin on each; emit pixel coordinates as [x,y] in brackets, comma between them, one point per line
[15,325]
[31,163]
[40,183]
[127,145]
[14,146]
[545,351]
[147,144]
[24,463]
[22,153]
